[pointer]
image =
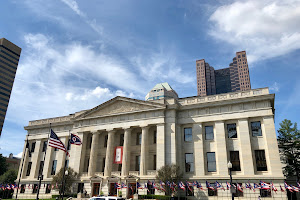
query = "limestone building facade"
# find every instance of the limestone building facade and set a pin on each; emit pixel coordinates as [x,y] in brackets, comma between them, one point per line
[200,134]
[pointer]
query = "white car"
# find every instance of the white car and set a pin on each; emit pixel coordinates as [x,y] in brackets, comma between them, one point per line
[107,198]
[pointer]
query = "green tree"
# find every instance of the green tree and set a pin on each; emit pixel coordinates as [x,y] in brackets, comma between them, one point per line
[170,173]
[289,145]
[3,165]
[9,177]
[69,179]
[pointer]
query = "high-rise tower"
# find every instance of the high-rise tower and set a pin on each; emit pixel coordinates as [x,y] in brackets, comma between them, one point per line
[9,59]
[234,78]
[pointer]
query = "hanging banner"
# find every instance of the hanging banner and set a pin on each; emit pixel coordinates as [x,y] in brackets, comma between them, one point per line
[118,155]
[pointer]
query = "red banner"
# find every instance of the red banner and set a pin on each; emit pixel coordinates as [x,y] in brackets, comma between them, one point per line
[118,155]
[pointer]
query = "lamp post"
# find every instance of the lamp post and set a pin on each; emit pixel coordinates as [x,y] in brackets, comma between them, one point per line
[64,183]
[229,165]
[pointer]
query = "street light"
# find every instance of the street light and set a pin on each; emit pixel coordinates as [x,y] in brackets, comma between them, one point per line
[229,165]
[64,183]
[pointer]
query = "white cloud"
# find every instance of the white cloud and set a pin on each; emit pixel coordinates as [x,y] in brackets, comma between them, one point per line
[19,155]
[275,87]
[265,29]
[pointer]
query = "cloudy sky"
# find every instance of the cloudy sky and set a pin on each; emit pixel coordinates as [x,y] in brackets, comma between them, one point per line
[78,54]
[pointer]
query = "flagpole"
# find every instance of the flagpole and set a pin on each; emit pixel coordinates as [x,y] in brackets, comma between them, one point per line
[63,180]
[22,166]
[40,177]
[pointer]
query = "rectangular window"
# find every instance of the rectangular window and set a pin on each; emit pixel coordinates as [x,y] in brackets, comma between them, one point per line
[32,147]
[41,167]
[48,188]
[238,192]
[53,170]
[90,142]
[23,186]
[86,169]
[28,168]
[55,149]
[235,160]
[260,157]
[35,188]
[105,140]
[154,162]
[266,193]
[209,132]
[231,129]
[188,134]
[119,167]
[103,164]
[44,146]
[154,137]
[212,192]
[189,162]
[139,139]
[121,139]
[256,129]
[211,162]
[137,163]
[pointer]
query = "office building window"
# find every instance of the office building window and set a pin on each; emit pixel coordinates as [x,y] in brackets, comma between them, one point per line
[32,147]
[154,162]
[41,167]
[48,188]
[256,129]
[28,169]
[105,140]
[189,162]
[139,139]
[69,145]
[209,132]
[212,192]
[231,129]
[211,162]
[261,164]
[188,134]
[35,188]
[53,170]
[119,167]
[23,186]
[90,142]
[137,163]
[154,137]
[238,192]
[103,164]
[121,139]
[87,163]
[44,146]
[55,149]
[235,160]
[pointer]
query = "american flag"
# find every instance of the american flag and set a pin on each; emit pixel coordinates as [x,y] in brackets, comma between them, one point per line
[55,142]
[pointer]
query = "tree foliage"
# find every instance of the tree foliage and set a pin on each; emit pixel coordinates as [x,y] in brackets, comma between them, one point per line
[9,177]
[289,145]
[3,165]
[170,173]
[69,179]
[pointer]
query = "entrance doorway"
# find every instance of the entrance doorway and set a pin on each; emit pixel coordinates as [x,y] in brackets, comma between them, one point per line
[131,190]
[96,188]
[112,190]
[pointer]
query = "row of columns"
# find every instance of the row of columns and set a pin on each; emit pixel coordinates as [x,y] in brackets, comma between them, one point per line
[126,151]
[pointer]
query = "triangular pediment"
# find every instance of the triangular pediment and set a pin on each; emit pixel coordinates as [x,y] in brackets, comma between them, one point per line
[119,105]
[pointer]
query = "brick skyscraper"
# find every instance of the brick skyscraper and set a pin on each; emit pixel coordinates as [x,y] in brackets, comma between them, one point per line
[234,78]
[9,59]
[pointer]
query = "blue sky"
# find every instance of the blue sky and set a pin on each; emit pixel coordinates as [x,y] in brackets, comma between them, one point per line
[78,54]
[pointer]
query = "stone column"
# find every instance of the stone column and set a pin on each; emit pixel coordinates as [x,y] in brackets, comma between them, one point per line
[25,163]
[144,147]
[160,146]
[61,156]
[221,154]
[93,154]
[271,147]
[198,149]
[48,161]
[126,152]
[109,153]
[246,159]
